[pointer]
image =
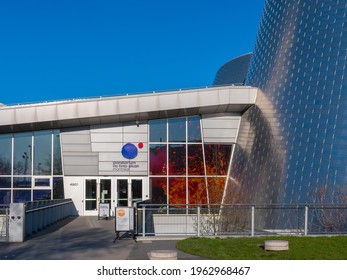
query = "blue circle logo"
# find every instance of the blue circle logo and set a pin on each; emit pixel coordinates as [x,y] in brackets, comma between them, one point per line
[129,151]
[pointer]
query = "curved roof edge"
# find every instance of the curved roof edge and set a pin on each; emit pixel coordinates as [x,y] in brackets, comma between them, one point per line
[234,71]
[235,99]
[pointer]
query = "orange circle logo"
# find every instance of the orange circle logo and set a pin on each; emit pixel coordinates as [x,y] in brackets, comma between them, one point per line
[121,213]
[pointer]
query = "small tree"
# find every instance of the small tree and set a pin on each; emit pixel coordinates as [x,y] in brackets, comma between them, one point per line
[330,213]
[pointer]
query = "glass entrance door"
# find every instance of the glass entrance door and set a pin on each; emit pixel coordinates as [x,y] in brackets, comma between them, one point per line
[129,191]
[96,190]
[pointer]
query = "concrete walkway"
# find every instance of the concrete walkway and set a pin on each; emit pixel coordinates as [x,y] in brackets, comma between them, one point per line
[85,238]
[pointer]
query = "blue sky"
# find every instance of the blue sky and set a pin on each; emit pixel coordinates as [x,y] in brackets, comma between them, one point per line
[53,50]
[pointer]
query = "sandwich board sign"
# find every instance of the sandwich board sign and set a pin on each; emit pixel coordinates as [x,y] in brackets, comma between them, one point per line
[104,210]
[125,218]
[125,222]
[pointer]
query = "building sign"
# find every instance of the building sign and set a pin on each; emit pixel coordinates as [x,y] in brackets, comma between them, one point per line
[125,166]
[130,151]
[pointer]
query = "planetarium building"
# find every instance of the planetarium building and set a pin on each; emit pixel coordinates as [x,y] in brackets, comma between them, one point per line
[279,138]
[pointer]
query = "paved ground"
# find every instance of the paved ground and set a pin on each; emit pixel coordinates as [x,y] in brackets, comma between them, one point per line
[85,238]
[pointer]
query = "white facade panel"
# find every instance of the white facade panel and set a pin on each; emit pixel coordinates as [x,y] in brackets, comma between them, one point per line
[106,147]
[231,122]
[106,137]
[133,128]
[220,128]
[106,128]
[75,139]
[79,131]
[222,133]
[84,160]
[110,156]
[76,148]
[73,188]
[134,138]
[80,170]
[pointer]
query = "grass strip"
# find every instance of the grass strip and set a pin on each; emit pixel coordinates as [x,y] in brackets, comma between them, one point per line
[252,248]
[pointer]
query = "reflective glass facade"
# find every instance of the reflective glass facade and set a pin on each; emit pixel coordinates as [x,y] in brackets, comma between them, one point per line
[30,166]
[183,169]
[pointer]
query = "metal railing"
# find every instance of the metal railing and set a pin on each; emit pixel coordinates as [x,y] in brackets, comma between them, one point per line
[248,220]
[4,222]
[122,94]
[43,213]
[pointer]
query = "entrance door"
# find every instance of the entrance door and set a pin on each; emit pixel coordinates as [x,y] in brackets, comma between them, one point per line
[96,190]
[129,191]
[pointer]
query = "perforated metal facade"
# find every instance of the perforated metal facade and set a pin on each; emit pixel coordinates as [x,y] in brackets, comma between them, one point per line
[292,143]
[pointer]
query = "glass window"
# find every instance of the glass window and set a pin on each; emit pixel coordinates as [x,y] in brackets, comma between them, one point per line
[22,154]
[5,196]
[57,162]
[91,204]
[5,154]
[58,188]
[197,190]
[195,160]
[42,182]
[177,191]
[159,190]
[42,153]
[157,131]
[105,190]
[90,188]
[5,182]
[217,159]
[22,182]
[194,130]
[215,189]
[42,194]
[21,196]
[157,159]
[177,159]
[177,130]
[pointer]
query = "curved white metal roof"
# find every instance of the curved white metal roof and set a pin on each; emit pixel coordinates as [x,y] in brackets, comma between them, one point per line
[50,115]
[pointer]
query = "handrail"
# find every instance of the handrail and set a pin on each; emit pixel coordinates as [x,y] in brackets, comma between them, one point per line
[48,206]
[120,95]
[277,206]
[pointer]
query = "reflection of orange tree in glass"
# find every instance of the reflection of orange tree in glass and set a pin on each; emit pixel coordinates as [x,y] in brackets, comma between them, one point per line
[177,160]
[195,160]
[158,160]
[177,191]
[215,189]
[217,159]
[197,191]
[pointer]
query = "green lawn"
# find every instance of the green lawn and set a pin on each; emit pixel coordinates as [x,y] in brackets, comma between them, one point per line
[252,248]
